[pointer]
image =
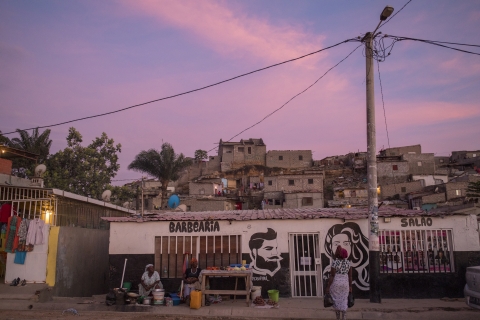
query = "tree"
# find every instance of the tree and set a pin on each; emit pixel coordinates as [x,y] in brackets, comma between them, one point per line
[473,189]
[4,140]
[200,155]
[38,143]
[122,194]
[164,165]
[83,170]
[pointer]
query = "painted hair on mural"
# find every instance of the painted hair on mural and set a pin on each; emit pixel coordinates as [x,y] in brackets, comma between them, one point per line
[358,255]
[257,239]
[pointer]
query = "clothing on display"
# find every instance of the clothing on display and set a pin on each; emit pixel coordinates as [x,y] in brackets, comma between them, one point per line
[20,257]
[35,232]
[12,237]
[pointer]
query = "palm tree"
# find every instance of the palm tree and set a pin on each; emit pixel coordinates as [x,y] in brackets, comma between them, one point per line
[38,143]
[164,165]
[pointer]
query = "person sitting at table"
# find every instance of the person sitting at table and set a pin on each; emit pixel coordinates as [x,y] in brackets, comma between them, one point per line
[191,277]
[150,280]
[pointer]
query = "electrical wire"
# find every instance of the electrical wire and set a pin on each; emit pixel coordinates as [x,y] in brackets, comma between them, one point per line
[436,43]
[189,91]
[385,117]
[283,105]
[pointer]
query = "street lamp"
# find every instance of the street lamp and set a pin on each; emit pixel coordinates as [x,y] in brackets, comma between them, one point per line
[374,244]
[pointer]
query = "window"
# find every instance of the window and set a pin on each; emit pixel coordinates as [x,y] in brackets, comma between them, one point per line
[307,201]
[310,181]
[210,250]
[189,208]
[419,163]
[404,189]
[474,155]
[441,160]
[458,192]
[291,182]
[270,182]
[212,158]
[395,167]
[280,157]
[241,149]
[229,151]
[416,251]
[249,150]
[300,157]
[277,202]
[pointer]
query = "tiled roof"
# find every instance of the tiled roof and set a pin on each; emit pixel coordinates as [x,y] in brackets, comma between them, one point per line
[277,214]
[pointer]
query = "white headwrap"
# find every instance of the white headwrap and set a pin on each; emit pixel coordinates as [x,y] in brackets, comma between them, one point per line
[148,265]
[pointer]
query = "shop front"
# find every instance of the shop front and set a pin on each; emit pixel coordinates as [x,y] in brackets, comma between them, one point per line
[291,250]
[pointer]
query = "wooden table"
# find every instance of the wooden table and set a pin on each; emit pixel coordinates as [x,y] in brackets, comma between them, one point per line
[247,275]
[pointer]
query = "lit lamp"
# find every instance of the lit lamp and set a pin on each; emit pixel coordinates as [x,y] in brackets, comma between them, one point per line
[378,190]
[48,213]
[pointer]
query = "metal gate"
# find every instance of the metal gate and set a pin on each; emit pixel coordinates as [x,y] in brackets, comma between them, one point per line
[305,265]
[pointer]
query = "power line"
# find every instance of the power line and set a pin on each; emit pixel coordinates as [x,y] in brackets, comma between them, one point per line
[278,109]
[187,92]
[436,43]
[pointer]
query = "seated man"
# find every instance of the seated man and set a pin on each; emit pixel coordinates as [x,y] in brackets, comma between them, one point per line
[191,278]
[150,281]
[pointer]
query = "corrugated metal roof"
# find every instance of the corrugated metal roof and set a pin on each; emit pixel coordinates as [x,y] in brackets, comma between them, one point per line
[275,214]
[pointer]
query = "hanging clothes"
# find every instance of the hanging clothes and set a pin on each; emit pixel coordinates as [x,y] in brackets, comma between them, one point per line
[35,232]
[22,235]
[3,237]
[12,237]
[6,211]
[20,257]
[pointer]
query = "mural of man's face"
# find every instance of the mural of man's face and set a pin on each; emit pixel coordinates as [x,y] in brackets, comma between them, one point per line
[267,257]
[343,241]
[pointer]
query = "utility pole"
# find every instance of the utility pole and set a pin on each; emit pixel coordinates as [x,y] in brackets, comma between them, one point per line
[142,196]
[373,244]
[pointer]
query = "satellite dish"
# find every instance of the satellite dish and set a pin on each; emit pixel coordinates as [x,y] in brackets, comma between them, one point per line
[173,201]
[40,170]
[181,207]
[106,195]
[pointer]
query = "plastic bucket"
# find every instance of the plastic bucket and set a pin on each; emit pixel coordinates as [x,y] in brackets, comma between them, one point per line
[158,296]
[273,295]
[256,291]
[127,286]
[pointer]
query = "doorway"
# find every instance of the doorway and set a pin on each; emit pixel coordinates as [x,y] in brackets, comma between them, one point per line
[305,265]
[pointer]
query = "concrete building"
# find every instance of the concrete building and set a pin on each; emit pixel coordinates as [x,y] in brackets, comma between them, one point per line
[422,255]
[423,163]
[346,197]
[462,155]
[398,151]
[234,155]
[289,158]
[400,189]
[208,204]
[205,188]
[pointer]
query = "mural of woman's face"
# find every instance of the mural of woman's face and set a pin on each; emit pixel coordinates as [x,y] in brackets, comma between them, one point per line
[342,240]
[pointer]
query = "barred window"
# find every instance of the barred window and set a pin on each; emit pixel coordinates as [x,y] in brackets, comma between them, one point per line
[214,251]
[416,251]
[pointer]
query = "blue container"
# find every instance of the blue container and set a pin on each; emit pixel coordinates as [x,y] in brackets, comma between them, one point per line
[175,298]
[238,265]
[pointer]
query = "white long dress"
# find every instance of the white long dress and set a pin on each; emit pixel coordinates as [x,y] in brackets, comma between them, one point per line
[340,285]
[149,281]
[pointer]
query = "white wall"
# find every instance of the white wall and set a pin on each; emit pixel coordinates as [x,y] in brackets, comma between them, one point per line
[139,238]
[35,267]
[429,180]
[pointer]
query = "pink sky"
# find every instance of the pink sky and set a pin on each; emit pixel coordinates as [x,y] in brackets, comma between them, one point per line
[63,60]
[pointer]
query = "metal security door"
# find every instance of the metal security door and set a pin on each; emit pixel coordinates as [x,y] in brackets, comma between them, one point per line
[305,265]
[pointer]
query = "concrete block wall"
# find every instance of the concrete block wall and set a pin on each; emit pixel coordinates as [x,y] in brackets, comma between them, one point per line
[386,173]
[452,188]
[403,150]
[196,188]
[420,163]
[219,204]
[5,166]
[295,200]
[301,183]
[289,158]
[400,188]
[434,198]
[273,198]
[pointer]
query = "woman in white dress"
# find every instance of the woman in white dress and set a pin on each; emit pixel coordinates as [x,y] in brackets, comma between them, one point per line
[150,281]
[340,282]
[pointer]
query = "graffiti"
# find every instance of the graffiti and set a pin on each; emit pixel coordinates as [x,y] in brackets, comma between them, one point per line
[264,253]
[350,237]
